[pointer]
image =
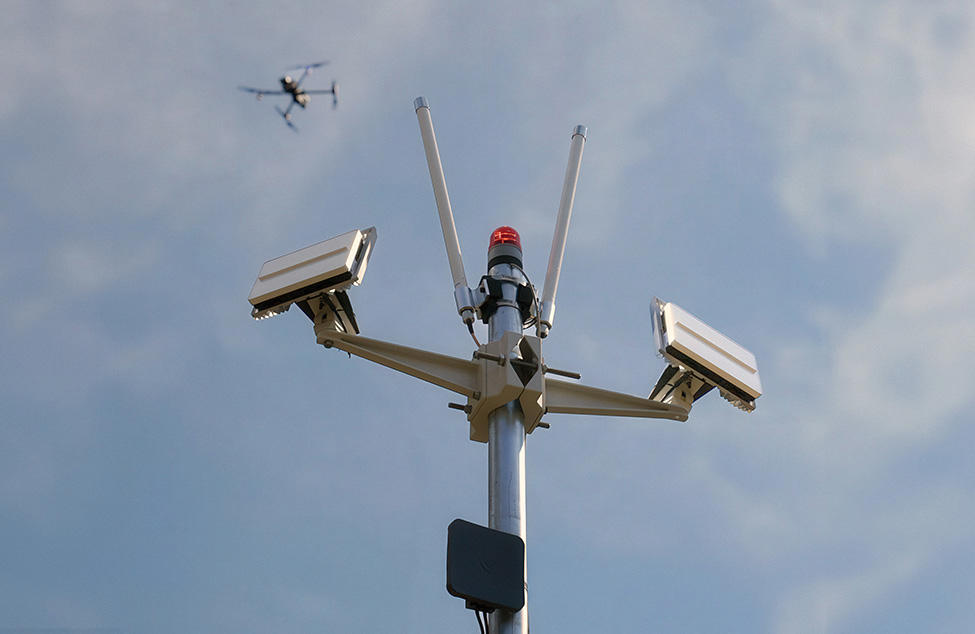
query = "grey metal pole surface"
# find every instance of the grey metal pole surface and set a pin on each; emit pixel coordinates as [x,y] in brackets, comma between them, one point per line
[506,450]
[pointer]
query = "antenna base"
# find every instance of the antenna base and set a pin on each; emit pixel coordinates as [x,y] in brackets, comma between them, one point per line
[546,315]
[490,289]
[465,303]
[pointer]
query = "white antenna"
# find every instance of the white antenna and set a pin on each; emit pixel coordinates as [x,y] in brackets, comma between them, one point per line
[547,315]
[462,293]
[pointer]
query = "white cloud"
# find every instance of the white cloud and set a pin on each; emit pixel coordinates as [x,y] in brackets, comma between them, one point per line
[877,163]
[823,606]
[874,149]
[76,270]
[873,132]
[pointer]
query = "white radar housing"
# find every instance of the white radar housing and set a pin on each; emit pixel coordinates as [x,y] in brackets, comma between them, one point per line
[690,344]
[333,265]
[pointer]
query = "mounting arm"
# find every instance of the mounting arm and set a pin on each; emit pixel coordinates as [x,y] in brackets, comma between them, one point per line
[502,371]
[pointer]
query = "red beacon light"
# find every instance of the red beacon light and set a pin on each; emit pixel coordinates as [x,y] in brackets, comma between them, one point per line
[505,235]
[504,248]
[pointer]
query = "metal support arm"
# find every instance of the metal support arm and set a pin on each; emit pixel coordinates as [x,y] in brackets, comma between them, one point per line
[502,372]
[456,375]
[562,397]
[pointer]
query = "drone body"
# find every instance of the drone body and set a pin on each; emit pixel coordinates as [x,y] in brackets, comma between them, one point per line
[299,96]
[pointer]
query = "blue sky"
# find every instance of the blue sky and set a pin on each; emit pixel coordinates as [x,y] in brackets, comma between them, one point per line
[799,176]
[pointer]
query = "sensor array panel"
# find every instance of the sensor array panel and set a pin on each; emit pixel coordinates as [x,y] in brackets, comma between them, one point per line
[684,339]
[330,264]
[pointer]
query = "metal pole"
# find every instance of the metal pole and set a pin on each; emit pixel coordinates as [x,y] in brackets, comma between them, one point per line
[506,450]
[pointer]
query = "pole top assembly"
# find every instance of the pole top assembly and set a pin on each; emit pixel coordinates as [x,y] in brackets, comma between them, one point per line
[504,381]
[317,279]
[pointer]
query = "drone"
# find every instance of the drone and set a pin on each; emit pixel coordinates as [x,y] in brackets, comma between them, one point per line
[298,94]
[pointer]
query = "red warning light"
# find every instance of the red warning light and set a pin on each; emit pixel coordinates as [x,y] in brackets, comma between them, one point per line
[505,235]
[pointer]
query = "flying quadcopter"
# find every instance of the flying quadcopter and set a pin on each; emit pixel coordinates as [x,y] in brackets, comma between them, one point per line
[298,94]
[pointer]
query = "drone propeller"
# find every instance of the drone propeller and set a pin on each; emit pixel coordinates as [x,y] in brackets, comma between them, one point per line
[286,115]
[260,92]
[306,70]
[334,91]
[308,66]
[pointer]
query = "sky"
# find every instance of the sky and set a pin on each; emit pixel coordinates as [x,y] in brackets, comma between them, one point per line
[799,175]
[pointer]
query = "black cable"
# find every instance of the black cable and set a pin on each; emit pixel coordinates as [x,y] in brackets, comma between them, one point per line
[470,328]
[532,320]
[480,625]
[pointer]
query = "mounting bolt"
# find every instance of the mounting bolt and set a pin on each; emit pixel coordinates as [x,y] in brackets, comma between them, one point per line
[489,357]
